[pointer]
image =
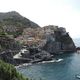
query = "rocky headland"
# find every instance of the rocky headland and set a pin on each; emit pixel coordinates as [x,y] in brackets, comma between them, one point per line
[23,41]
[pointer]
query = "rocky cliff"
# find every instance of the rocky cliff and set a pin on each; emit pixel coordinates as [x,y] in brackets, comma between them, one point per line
[59,41]
[41,42]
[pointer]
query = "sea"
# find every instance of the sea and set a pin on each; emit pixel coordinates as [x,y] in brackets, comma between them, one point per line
[65,69]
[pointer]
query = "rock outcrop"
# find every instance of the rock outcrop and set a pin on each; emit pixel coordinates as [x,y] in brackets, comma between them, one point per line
[60,41]
[33,55]
[7,56]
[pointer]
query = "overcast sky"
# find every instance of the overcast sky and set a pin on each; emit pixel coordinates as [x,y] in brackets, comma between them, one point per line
[64,13]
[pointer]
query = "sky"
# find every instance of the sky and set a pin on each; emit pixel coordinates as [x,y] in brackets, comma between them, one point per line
[63,13]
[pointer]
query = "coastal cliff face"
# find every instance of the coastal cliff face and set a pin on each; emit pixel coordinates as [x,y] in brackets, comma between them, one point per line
[59,41]
[17,31]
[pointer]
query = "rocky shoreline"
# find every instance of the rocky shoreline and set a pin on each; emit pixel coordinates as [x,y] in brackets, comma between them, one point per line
[43,62]
[24,57]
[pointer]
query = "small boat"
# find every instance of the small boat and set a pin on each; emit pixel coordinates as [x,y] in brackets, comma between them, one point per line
[77,76]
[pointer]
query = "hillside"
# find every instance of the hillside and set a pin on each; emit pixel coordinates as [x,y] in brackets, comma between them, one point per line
[13,23]
[41,43]
[8,72]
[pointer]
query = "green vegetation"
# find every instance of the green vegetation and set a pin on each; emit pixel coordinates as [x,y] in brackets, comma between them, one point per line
[13,26]
[2,31]
[7,41]
[8,72]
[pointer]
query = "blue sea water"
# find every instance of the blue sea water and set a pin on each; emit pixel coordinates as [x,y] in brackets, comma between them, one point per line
[63,70]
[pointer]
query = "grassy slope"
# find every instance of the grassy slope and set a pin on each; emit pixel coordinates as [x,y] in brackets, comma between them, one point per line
[8,72]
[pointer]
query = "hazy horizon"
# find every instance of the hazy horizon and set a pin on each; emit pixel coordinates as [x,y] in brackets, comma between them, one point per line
[64,13]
